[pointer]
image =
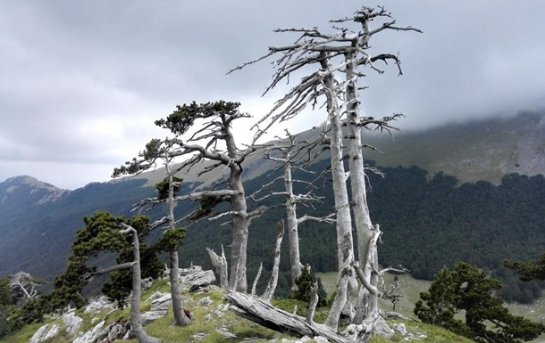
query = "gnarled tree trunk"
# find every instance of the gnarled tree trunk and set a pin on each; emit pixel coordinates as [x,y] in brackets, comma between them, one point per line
[136,325]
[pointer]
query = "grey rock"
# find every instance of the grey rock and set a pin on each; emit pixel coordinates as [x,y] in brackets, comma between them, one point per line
[199,336]
[45,333]
[195,276]
[150,316]
[92,335]
[146,283]
[400,329]
[160,301]
[99,304]
[205,301]
[225,333]
[72,323]
[117,331]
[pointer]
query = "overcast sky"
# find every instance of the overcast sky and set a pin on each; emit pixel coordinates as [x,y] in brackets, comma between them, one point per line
[81,82]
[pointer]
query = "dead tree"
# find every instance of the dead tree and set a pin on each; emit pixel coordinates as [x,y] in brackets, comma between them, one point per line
[339,53]
[289,151]
[23,286]
[220,264]
[273,281]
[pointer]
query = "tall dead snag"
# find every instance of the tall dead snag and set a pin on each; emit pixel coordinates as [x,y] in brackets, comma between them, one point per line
[288,150]
[220,264]
[341,52]
[273,281]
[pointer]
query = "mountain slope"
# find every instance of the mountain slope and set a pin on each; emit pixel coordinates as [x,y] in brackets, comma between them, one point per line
[472,151]
[428,221]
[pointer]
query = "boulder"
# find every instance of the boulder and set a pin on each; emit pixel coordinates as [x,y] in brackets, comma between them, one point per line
[160,301]
[195,277]
[400,329]
[45,333]
[92,335]
[99,304]
[150,316]
[72,323]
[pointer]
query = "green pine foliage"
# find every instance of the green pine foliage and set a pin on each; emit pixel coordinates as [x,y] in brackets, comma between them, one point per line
[162,187]
[468,290]
[304,284]
[528,270]
[100,235]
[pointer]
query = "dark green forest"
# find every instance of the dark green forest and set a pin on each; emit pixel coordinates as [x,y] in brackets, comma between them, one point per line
[428,223]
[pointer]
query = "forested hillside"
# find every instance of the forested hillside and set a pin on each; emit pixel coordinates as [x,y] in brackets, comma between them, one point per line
[427,223]
[429,220]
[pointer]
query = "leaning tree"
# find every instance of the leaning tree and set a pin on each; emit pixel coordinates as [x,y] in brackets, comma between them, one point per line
[338,59]
[104,233]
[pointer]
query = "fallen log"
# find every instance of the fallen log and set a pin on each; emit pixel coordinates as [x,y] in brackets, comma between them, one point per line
[265,314]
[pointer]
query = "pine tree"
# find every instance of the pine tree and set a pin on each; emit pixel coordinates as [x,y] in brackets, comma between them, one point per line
[467,288]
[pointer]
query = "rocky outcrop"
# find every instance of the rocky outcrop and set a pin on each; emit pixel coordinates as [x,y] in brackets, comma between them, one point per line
[45,333]
[100,304]
[194,278]
[72,323]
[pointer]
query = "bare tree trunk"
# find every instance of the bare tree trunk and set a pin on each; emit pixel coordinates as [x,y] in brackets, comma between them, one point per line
[136,324]
[265,314]
[313,303]
[220,264]
[337,306]
[256,280]
[239,245]
[362,218]
[241,221]
[180,317]
[273,281]
[345,244]
[293,230]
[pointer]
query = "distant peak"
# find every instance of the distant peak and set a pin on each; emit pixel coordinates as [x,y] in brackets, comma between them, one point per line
[13,184]
[33,182]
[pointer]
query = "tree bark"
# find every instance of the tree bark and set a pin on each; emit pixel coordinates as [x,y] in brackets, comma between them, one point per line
[256,280]
[180,317]
[345,244]
[220,264]
[273,281]
[265,314]
[293,229]
[362,218]
[241,221]
[136,325]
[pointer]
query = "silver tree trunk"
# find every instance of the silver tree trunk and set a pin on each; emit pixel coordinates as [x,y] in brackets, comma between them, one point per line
[136,325]
[180,318]
[220,264]
[362,218]
[293,230]
[273,281]
[241,222]
[345,244]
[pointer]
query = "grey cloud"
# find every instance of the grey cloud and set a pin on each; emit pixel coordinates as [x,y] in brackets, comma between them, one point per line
[82,81]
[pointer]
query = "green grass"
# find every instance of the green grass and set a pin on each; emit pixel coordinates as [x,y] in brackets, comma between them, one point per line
[242,328]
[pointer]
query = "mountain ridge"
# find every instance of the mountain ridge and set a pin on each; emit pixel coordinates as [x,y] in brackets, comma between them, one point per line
[37,237]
